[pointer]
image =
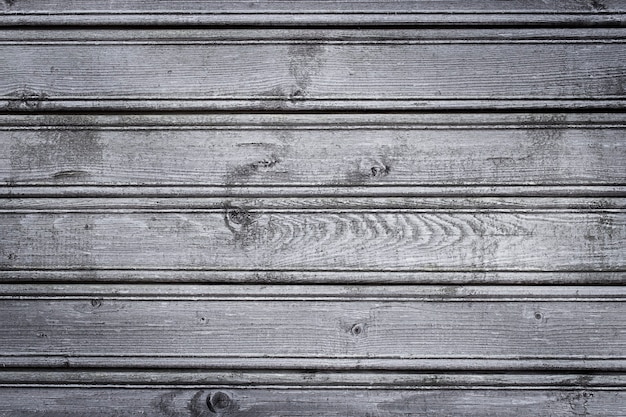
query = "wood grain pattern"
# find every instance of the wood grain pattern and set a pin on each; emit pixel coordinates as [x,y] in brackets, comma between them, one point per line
[309,75]
[176,203]
[100,402]
[320,6]
[329,208]
[300,292]
[316,12]
[292,379]
[92,274]
[236,238]
[312,330]
[531,154]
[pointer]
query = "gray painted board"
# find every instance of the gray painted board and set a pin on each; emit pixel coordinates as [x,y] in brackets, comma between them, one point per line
[311,330]
[180,73]
[380,240]
[533,152]
[172,402]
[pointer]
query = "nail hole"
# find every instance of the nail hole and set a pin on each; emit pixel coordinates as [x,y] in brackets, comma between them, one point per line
[538,316]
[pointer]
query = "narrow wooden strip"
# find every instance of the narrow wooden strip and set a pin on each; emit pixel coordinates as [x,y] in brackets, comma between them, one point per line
[395,35]
[189,275]
[278,204]
[101,401]
[61,204]
[311,76]
[435,293]
[205,363]
[325,329]
[298,191]
[237,238]
[306,121]
[294,380]
[303,19]
[318,6]
[31,101]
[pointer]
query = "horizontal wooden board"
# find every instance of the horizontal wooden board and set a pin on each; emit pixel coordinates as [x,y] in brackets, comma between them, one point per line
[606,193]
[57,204]
[387,35]
[316,12]
[100,402]
[365,330]
[91,274]
[318,74]
[319,6]
[531,153]
[300,292]
[386,240]
[359,379]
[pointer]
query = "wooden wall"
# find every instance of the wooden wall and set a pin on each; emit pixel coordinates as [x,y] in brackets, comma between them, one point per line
[313,208]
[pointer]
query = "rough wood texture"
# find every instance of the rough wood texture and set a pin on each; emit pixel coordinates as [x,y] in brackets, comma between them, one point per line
[367,331]
[58,402]
[237,238]
[316,74]
[541,149]
[322,208]
[91,274]
[591,13]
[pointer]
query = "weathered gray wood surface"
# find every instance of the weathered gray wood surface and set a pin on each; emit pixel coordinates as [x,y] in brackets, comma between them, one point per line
[168,402]
[314,73]
[531,149]
[381,240]
[316,12]
[375,334]
[344,208]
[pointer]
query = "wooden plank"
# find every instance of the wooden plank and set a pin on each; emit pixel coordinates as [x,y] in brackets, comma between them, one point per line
[606,193]
[319,6]
[300,292]
[94,363]
[100,402]
[387,240]
[528,155]
[52,204]
[93,274]
[318,74]
[409,35]
[312,12]
[203,379]
[367,331]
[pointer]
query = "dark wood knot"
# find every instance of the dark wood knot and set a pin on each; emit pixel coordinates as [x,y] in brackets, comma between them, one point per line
[218,400]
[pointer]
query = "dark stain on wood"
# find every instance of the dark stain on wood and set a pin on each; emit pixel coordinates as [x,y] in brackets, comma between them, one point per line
[305,61]
[68,155]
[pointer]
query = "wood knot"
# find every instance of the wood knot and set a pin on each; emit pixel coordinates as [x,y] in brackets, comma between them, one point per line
[358,329]
[96,303]
[218,400]
[379,171]
[238,215]
[297,95]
